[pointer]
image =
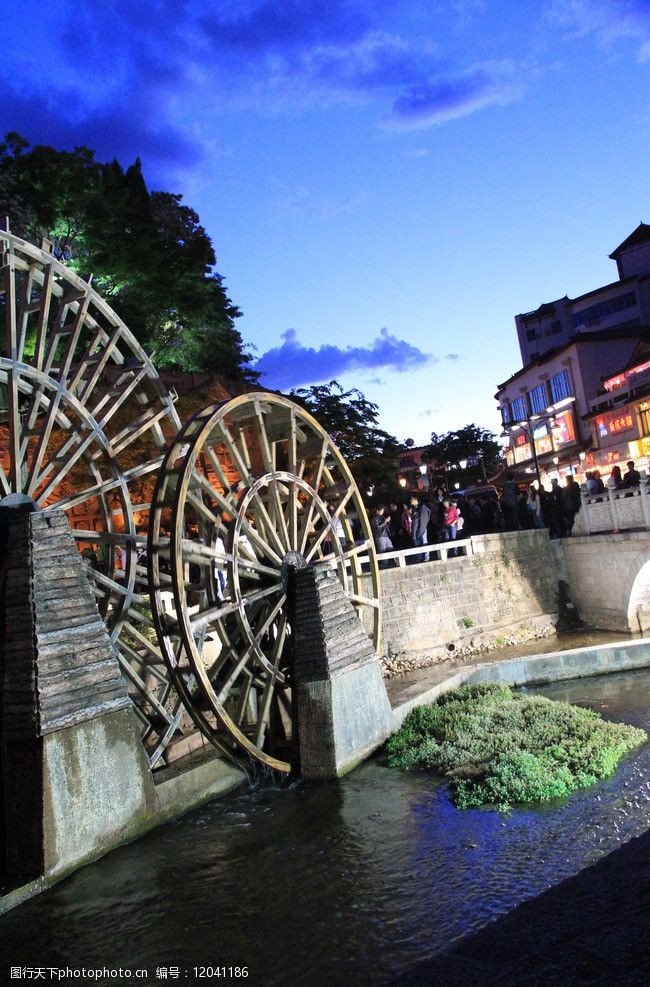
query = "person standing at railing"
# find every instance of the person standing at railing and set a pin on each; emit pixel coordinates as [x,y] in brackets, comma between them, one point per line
[420,515]
[405,527]
[380,526]
[631,478]
[451,523]
[615,481]
[436,521]
[510,502]
[571,502]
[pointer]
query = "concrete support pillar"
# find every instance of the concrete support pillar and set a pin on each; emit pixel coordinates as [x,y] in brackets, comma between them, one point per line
[343,711]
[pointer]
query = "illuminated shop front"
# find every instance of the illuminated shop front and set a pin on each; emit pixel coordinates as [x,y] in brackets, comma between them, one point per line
[620,435]
[557,449]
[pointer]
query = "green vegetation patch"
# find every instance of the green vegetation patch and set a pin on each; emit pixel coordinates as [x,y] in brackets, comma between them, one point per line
[499,747]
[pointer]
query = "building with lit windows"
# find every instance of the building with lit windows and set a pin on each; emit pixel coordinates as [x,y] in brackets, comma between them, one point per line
[582,401]
[412,469]
[621,306]
[549,402]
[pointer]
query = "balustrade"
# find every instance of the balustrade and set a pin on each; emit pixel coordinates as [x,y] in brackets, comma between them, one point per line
[614,510]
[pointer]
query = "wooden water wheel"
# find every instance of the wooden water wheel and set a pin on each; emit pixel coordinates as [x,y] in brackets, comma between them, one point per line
[249,489]
[84,417]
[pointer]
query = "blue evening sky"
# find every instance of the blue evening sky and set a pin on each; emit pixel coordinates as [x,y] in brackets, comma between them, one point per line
[385,184]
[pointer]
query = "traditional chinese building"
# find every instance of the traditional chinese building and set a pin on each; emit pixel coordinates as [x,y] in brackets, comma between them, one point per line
[621,305]
[549,403]
[579,400]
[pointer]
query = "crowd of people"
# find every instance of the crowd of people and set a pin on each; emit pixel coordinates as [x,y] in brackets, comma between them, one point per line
[432,519]
[418,522]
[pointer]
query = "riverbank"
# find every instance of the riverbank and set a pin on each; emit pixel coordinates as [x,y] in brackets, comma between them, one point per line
[425,685]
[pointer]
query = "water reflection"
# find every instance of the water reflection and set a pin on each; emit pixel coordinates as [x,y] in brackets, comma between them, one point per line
[344,883]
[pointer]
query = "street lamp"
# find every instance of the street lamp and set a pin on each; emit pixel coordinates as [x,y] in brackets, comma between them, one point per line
[526,425]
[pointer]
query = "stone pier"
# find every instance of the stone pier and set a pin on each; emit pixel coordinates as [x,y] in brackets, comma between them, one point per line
[76,780]
[343,710]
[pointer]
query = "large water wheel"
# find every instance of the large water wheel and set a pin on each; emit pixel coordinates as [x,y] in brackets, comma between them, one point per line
[249,489]
[84,418]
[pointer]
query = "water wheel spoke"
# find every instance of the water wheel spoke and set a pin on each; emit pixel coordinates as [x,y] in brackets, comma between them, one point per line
[65,463]
[364,601]
[309,517]
[245,657]
[138,428]
[259,542]
[268,459]
[271,683]
[209,554]
[126,652]
[143,640]
[293,505]
[116,399]
[231,446]
[226,507]
[109,486]
[265,709]
[328,529]
[43,317]
[208,617]
[243,701]
[280,637]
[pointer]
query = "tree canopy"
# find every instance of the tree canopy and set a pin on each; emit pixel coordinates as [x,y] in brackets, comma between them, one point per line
[149,254]
[352,422]
[477,446]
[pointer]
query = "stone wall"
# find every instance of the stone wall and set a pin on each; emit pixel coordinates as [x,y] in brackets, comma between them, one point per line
[504,593]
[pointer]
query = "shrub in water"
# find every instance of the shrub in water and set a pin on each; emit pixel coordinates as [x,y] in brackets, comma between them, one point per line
[498,747]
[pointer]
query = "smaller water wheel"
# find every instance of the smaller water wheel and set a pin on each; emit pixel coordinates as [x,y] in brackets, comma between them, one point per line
[249,489]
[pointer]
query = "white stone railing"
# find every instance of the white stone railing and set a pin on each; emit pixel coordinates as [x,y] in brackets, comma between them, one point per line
[614,510]
[492,541]
[436,553]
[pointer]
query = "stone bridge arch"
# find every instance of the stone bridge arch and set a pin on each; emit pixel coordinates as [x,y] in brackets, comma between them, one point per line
[639,596]
[609,578]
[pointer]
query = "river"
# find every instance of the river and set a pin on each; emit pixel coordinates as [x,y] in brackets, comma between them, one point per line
[352,882]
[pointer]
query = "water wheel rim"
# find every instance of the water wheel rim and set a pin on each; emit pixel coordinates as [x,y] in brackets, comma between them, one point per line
[179,486]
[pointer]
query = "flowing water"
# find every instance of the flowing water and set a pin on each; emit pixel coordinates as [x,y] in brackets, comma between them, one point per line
[349,883]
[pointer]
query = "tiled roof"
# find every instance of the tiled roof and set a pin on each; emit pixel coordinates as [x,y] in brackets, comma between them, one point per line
[640,235]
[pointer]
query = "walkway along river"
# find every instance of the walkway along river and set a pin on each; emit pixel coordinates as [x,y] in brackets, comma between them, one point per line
[350,882]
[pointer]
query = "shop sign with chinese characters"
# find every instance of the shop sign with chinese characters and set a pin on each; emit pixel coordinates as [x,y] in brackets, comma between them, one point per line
[629,378]
[615,423]
[608,457]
